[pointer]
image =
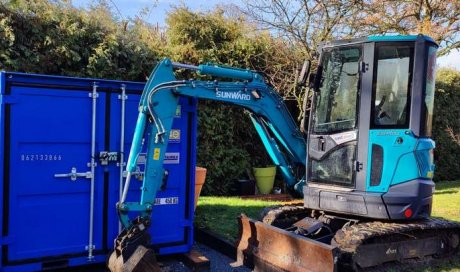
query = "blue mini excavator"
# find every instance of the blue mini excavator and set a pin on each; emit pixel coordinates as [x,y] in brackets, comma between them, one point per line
[363,159]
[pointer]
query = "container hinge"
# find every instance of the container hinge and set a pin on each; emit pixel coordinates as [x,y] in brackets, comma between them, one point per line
[73,175]
[107,156]
[8,99]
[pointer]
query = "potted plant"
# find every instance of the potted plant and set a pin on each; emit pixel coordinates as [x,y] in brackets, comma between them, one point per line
[200,177]
[265,178]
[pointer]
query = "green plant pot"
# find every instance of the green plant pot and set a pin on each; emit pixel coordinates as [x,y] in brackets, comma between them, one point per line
[265,178]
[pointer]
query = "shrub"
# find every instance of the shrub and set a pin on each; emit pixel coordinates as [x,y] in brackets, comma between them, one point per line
[446,114]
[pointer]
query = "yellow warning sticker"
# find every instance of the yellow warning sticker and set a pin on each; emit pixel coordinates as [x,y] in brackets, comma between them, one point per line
[178,111]
[429,174]
[156,154]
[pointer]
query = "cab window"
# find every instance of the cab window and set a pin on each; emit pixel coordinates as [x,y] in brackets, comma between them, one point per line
[392,86]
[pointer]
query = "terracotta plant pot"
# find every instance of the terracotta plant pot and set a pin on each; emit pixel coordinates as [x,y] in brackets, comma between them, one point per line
[265,178]
[200,177]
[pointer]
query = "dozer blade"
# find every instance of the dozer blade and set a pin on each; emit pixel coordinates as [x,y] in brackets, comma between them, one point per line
[266,248]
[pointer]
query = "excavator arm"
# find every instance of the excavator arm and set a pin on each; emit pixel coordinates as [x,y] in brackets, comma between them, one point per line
[277,129]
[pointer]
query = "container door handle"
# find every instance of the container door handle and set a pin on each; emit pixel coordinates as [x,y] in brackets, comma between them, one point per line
[73,175]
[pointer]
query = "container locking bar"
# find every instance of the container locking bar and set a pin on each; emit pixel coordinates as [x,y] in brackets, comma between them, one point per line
[123,97]
[94,95]
[73,175]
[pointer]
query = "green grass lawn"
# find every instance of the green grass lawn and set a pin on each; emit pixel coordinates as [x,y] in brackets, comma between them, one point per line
[218,214]
[446,202]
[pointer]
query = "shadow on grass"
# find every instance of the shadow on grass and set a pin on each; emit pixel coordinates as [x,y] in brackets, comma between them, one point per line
[446,192]
[446,185]
[222,219]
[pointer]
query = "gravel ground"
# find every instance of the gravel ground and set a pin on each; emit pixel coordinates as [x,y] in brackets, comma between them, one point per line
[219,262]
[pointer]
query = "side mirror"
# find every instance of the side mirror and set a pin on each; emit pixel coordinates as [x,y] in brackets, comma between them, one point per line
[316,79]
[304,121]
[311,80]
[304,73]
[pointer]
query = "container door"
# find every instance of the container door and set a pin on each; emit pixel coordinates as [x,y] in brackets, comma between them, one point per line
[171,210]
[47,194]
[169,223]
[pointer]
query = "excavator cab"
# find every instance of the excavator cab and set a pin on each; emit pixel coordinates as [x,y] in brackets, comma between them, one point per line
[368,185]
[369,151]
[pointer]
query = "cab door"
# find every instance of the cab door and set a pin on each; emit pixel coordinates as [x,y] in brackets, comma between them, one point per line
[334,124]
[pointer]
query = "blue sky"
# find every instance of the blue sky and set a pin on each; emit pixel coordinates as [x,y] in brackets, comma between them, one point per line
[159,9]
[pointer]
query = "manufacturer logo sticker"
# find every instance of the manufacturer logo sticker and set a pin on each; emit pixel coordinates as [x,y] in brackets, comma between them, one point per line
[172,158]
[174,136]
[344,137]
[390,251]
[233,95]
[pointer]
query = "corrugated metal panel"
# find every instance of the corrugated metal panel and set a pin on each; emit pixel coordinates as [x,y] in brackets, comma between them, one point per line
[46,123]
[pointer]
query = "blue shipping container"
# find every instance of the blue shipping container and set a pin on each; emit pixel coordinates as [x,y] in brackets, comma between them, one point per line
[55,211]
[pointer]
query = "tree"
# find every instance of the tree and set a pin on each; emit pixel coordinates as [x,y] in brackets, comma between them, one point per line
[439,19]
[454,136]
[228,145]
[304,23]
[53,37]
[309,22]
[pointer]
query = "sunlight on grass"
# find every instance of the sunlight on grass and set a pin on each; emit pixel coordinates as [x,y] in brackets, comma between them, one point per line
[218,214]
[446,202]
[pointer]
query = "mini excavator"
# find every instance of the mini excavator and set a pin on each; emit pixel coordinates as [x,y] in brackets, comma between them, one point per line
[362,158]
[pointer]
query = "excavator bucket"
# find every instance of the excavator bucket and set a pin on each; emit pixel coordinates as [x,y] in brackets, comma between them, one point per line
[266,248]
[131,253]
[143,259]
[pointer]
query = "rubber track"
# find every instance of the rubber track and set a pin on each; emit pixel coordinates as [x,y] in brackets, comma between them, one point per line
[349,238]
[283,215]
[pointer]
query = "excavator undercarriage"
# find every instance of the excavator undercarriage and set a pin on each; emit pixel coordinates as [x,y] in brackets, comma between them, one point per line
[295,238]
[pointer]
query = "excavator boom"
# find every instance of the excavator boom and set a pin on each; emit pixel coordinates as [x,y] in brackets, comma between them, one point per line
[157,109]
[277,129]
